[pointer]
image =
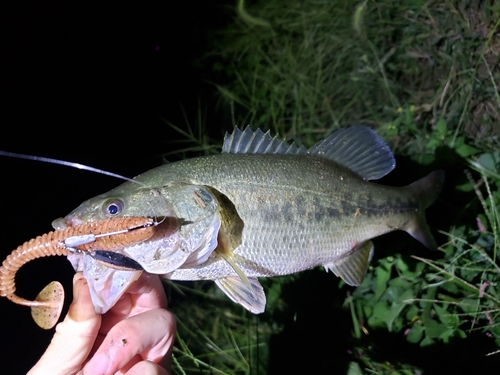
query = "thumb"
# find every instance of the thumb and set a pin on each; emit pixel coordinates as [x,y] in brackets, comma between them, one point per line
[74,337]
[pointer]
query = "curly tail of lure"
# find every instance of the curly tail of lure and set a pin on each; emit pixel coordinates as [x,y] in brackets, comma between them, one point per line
[109,235]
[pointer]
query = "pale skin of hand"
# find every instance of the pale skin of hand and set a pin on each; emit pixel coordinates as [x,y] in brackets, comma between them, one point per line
[135,336]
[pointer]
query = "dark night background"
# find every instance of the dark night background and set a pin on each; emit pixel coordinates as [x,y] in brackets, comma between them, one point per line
[90,84]
[86,84]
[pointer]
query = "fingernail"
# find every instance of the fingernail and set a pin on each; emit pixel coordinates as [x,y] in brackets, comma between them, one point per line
[98,365]
[76,291]
[78,276]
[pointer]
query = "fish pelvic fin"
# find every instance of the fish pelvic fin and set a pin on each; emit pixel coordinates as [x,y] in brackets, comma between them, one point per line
[426,190]
[353,267]
[254,300]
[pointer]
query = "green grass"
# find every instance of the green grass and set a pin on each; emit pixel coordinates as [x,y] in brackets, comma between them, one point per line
[426,76]
[313,70]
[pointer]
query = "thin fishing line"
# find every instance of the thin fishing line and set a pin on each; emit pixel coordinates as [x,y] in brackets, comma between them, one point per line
[67,164]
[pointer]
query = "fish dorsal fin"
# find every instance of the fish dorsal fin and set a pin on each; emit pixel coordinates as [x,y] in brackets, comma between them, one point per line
[257,142]
[253,300]
[359,149]
[352,268]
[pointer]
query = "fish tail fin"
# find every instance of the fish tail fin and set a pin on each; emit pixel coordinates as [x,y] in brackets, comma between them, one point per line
[426,190]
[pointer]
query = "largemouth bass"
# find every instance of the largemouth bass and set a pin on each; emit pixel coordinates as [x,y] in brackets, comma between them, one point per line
[263,208]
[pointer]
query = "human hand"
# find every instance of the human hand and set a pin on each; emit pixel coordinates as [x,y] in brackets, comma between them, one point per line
[135,336]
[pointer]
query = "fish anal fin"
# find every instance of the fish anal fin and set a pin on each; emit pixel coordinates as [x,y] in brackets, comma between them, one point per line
[253,299]
[352,268]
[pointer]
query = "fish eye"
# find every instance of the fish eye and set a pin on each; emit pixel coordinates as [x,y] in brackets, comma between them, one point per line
[113,207]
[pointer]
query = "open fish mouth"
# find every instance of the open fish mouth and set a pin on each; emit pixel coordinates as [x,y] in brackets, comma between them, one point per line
[107,284]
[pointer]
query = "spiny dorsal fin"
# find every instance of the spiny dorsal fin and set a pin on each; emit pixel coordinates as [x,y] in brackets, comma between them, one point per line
[352,268]
[359,149]
[257,142]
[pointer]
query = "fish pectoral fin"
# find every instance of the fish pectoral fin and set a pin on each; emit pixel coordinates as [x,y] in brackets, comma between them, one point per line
[253,299]
[236,269]
[352,268]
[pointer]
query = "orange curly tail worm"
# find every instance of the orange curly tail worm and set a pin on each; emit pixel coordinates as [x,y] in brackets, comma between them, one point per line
[48,304]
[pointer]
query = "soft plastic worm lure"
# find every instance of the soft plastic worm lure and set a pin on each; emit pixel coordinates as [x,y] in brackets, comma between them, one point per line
[104,235]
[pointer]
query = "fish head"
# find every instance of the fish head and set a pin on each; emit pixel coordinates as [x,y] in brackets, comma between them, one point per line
[126,200]
[107,283]
[185,235]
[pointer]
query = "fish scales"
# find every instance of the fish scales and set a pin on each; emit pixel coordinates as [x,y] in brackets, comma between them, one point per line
[265,208]
[298,211]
